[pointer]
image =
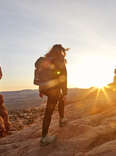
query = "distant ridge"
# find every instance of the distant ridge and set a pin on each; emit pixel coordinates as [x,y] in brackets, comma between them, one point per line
[29,98]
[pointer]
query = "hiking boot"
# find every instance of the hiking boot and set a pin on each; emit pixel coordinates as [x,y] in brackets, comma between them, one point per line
[47,140]
[62,122]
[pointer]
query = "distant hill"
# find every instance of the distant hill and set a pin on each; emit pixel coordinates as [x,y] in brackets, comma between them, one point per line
[30,98]
[22,99]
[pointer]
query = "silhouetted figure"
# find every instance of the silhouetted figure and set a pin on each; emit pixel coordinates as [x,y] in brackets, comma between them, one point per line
[54,86]
[4,119]
[114,76]
[0,73]
[113,84]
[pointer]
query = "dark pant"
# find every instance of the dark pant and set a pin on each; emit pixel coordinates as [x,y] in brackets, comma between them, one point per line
[51,103]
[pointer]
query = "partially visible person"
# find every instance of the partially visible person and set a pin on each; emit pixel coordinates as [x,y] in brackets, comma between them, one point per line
[114,76]
[3,131]
[4,119]
[0,73]
[51,76]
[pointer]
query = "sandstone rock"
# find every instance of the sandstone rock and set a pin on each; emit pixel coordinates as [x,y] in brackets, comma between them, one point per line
[85,134]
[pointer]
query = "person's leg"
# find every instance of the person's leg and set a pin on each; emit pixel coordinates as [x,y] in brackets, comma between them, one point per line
[51,103]
[6,120]
[2,128]
[61,107]
[7,123]
[45,140]
[62,120]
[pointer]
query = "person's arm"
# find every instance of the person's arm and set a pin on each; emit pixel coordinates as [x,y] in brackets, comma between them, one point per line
[64,86]
[60,66]
[63,80]
[0,73]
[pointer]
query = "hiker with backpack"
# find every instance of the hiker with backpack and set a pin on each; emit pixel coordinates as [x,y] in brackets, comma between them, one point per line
[51,76]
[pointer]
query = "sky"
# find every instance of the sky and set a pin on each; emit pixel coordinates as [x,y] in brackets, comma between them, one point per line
[29,28]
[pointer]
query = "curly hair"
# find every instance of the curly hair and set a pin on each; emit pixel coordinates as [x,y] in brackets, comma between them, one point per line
[56,51]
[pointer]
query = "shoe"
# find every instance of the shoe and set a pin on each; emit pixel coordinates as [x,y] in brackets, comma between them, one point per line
[62,122]
[47,140]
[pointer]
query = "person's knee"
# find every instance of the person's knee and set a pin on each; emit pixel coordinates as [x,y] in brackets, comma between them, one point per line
[51,106]
[49,111]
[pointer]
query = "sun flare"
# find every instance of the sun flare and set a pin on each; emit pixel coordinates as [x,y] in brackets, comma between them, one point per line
[100,86]
[90,71]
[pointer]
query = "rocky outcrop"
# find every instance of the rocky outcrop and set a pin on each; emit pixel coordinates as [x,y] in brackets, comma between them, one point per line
[90,130]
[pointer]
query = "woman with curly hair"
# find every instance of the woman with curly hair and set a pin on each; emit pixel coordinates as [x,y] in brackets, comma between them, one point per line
[57,90]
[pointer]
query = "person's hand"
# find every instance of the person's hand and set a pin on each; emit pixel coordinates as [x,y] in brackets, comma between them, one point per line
[41,95]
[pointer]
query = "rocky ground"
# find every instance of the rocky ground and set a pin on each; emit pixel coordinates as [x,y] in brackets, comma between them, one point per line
[90,130]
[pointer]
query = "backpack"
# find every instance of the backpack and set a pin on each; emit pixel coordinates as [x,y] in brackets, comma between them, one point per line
[38,66]
[45,77]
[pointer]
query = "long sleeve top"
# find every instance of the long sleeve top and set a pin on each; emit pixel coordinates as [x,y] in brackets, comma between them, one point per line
[62,73]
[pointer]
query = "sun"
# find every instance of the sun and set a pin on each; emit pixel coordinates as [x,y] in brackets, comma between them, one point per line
[100,85]
[90,71]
